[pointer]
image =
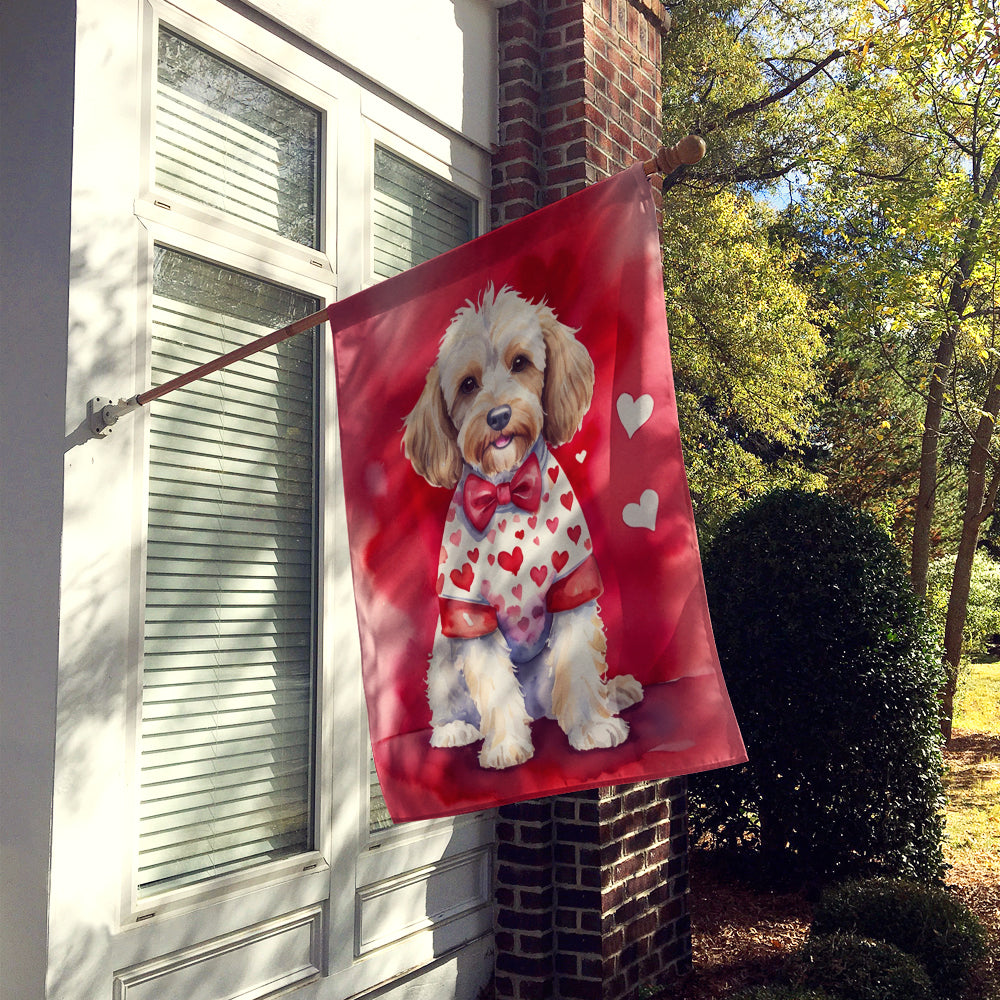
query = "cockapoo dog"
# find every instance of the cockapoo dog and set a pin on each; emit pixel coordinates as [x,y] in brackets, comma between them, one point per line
[519,635]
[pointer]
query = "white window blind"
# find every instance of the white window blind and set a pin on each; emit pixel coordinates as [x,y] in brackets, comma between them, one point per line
[228,140]
[416,216]
[228,660]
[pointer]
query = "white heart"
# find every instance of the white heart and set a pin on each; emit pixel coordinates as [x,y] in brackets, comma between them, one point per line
[633,413]
[643,513]
[580,456]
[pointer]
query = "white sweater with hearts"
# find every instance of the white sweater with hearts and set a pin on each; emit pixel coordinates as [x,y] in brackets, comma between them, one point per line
[520,568]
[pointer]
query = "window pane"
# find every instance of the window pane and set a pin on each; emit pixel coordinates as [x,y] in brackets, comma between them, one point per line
[228,657]
[228,140]
[416,216]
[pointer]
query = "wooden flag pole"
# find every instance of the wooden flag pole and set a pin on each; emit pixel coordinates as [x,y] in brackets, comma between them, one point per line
[103,413]
[260,344]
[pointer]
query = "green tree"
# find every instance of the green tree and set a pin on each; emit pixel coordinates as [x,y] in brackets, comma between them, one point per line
[747,76]
[746,356]
[746,348]
[880,122]
[912,188]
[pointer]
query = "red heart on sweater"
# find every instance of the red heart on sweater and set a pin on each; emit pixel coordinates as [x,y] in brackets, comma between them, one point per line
[538,574]
[553,473]
[511,561]
[473,555]
[552,523]
[559,559]
[574,533]
[463,578]
[567,500]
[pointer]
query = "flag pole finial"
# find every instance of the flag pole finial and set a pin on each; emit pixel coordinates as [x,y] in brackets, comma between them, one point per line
[688,151]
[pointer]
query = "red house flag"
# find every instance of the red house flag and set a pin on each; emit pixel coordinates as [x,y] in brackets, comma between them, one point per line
[526,572]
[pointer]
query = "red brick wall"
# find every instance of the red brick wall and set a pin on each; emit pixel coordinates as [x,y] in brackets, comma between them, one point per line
[579,96]
[591,893]
[591,888]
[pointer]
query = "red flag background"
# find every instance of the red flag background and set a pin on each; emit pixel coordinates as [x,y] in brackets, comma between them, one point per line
[594,259]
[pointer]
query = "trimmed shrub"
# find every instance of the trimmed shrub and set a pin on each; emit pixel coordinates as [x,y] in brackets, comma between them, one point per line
[856,968]
[924,921]
[833,673]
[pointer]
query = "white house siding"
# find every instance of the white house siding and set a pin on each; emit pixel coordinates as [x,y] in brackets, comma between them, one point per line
[398,41]
[411,912]
[34,270]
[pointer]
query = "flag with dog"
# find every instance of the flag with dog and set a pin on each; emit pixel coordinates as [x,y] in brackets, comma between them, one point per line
[526,572]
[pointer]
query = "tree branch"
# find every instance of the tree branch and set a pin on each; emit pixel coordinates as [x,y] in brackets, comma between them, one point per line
[754,106]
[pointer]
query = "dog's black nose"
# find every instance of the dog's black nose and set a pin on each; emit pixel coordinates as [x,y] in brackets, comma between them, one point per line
[498,417]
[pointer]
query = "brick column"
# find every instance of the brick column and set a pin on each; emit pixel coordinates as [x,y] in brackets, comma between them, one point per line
[524,901]
[591,888]
[579,96]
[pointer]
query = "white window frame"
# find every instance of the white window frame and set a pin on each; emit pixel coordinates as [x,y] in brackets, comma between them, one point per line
[350,874]
[180,224]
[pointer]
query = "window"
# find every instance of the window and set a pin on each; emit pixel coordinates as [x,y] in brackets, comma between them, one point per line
[227,140]
[251,804]
[228,679]
[229,646]
[416,216]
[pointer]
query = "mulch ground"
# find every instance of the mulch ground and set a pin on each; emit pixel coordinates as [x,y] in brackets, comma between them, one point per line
[742,935]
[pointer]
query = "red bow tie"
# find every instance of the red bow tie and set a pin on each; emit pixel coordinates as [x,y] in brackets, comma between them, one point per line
[481,498]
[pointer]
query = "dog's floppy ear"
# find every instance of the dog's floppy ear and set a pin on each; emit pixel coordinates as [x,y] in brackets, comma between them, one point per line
[430,441]
[569,380]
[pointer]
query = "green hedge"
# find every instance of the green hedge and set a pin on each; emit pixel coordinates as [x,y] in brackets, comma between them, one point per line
[833,673]
[925,922]
[857,968]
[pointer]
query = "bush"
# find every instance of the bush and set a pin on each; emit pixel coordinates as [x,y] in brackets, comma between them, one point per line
[856,968]
[833,673]
[925,922]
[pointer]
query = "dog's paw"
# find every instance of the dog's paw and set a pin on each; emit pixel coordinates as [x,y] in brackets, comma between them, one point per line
[600,733]
[623,691]
[455,734]
[506,753]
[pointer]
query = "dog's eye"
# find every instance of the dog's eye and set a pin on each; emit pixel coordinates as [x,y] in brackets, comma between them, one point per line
[519,363]
[468,385]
